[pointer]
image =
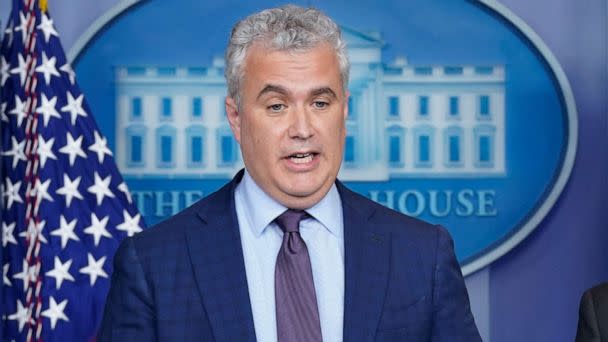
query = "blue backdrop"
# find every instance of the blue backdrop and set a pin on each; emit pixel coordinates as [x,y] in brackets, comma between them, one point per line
[532,293]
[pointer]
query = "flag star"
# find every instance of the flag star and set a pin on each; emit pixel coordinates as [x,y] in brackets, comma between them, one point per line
[9,33]
[98,228]
[47,109]
[47,27]
[70,189]
[123,187]
[55,312]
[3,115]
[47,67]
[26,275]
[72,148]
[5,279]
[17,151]
[21,69]
[12,192]
[94,269]
[7,234]
[41,190]
[45,149]
[34,230]
[23,315]
[74,106]
[23,20]
[67,68]
[61,272]
[19,110]
[101,188]
[4,71]
[100,147]
[66,231]
[130,224]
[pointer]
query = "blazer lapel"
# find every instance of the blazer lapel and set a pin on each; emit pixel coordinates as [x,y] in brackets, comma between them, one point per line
[366,259]
[217,260]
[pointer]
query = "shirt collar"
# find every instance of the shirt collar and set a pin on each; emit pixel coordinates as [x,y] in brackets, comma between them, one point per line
[328,211]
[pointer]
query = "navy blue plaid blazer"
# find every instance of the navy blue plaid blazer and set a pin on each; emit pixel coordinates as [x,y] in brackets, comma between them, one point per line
[184,280]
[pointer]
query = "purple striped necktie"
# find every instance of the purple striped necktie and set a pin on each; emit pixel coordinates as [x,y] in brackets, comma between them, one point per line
[296,301]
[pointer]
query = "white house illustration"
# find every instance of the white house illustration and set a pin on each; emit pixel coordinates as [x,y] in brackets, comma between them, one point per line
[405,120]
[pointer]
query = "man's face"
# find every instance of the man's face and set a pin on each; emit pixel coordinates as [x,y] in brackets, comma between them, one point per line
[291,122]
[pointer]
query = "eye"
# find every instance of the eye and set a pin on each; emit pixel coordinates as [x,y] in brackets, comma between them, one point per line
[320,104]
[275,108]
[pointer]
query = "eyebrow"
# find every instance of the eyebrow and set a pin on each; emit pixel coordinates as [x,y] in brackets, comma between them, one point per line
[324,91]
[273,88]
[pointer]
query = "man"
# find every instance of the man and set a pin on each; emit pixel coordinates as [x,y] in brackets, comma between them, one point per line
[593,315]
[285,252]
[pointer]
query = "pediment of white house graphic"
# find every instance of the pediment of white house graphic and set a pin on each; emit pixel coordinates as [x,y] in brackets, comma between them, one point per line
[361,39]
[405,120]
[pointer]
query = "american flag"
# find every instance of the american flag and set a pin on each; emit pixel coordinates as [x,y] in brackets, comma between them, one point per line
[65,207]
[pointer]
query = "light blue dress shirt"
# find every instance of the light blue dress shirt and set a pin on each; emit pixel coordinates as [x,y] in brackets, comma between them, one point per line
[261,240]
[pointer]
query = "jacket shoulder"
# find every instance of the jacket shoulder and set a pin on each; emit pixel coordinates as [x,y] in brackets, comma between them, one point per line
[378,213]
[175,226]
[390,219]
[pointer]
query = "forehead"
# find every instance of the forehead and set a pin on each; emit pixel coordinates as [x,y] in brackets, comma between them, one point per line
[299,69]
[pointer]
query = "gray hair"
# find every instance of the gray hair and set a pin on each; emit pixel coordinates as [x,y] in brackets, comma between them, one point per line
[288,28]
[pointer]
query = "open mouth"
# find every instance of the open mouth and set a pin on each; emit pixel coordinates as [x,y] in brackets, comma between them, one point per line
[302,158]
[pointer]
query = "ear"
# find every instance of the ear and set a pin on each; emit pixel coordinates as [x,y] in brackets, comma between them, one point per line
[346,109]
[232,113]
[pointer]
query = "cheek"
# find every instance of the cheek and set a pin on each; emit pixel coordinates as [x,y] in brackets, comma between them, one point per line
[334,140]
[340,129]
[261,140]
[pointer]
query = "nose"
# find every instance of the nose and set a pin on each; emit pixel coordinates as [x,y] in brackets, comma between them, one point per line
[301,125]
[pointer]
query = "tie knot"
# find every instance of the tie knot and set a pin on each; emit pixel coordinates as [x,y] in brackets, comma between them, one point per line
[289,221]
